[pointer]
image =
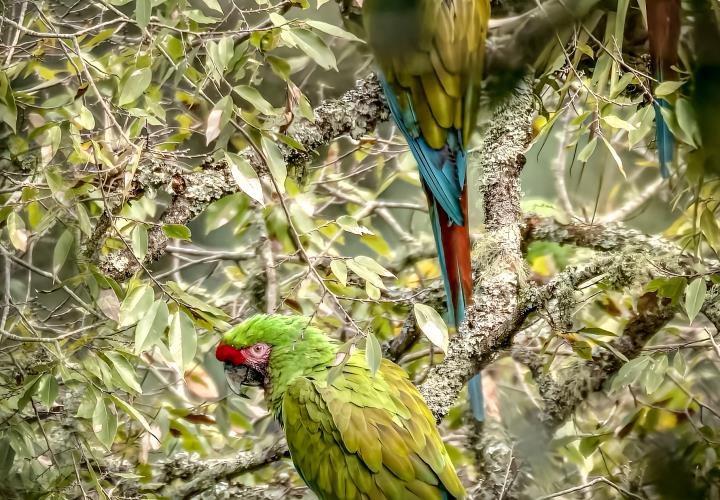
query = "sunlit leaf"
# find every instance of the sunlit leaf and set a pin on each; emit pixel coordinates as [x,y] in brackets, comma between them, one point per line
[182,340]
[136,305]
[245,177]
[339,269]
[373,353]
[152,324]
[179,231]
[62,250]
[432,326]
[695,294]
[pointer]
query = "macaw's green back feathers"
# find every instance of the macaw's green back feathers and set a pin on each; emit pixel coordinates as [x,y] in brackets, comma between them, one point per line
[358,437]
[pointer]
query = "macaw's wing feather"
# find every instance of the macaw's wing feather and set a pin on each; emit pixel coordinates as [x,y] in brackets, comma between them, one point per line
[430,55]
[367,437]
[664,19]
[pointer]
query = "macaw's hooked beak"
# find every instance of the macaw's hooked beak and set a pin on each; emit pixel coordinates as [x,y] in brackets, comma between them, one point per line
[241,376]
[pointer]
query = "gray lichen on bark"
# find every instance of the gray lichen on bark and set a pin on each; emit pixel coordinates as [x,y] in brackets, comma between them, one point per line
[355,113]
[494,314]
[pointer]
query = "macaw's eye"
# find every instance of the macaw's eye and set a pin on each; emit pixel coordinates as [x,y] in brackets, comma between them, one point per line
[258,349]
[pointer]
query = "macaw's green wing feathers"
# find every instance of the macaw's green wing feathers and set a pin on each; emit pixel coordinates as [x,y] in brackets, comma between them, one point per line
[376,435]
[431,54]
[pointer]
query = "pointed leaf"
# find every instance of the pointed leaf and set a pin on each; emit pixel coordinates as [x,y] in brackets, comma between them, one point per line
[245,177]
[432,326]
[182,340]
[695,297]
[62,250]
[151,326]
[373,353]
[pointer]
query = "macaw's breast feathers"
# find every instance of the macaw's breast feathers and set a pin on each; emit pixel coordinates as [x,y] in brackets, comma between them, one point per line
[366,437]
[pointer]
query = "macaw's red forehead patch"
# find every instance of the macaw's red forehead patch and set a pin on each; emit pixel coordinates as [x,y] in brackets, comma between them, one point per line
[228,354]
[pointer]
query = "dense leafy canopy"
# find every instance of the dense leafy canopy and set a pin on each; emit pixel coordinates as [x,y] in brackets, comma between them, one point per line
[161,180]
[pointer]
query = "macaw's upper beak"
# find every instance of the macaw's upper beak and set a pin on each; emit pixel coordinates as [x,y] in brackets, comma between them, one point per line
[242,375]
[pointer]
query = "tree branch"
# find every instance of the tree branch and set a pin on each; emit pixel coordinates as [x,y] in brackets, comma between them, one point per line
[355,113]
[494,315]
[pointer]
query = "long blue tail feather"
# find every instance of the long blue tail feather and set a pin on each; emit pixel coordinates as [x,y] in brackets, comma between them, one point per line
[440,171]
[663,138]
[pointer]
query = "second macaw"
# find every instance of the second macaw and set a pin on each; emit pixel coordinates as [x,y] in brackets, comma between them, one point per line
[663,19]
[430,57]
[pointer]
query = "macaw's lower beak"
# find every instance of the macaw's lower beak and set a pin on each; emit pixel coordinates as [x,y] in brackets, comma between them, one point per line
[242,375]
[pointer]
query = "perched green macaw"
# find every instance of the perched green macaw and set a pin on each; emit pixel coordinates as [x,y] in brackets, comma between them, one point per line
[357,436]
[430,57]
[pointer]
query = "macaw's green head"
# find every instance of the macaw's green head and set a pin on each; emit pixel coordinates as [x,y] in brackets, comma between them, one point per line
[271,350]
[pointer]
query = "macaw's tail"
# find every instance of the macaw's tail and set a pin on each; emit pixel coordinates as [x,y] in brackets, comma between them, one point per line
[663,18]
[453,248]
[664,140]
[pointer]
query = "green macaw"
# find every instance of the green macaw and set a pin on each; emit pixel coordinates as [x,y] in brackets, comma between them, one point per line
[430,62]
[357,436]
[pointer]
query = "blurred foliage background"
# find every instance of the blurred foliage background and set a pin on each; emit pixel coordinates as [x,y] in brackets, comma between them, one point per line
[108,376]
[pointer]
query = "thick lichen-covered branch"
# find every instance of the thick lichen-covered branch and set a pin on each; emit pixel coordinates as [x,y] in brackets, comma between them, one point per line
[494,315]
[564,389]
[355,113]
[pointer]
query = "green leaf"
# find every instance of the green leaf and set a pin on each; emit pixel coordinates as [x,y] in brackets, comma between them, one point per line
[372,291]
[139,242]
[432,326]
[615,157]
[617,122]
[687,121]
[132,411]
[213,5]
[709,228]
[151,326]
[125,370]
[135,305]
[349,224]
[276,162]
[7,457]
[251,95]
[339,269]
[245,177]
[372,265]
[333,30]
[8,108]
[582,349]
[670,288]
[587,151]
[143,9]
[182,340]
[373,353]
[179,231]
[630,372]
[365,273]
[104,422]
[17,232]
[134,85]
[667,88]
[645,117]
[47,390]
[312,45]
[62,250]
[197,16]
[218,118]
[695,297]
[29,391]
